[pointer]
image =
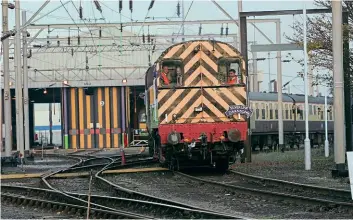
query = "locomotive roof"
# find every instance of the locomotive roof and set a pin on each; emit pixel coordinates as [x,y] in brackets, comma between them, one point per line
[195,40]
[299,98]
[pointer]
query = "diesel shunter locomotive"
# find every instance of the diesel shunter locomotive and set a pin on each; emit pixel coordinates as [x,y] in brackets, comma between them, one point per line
[196,105]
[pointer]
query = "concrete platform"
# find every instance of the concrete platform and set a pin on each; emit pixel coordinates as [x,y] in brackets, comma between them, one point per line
[290,166]
[95,152]
[50,164]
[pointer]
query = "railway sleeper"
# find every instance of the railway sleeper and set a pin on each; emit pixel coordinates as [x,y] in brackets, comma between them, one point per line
[66,208]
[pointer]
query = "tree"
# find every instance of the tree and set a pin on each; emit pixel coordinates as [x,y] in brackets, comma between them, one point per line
[319,41]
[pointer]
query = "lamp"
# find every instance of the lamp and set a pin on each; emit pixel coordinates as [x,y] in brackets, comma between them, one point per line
[124,80]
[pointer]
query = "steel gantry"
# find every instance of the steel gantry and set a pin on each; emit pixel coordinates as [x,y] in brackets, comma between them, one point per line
[84,65]
[339,51]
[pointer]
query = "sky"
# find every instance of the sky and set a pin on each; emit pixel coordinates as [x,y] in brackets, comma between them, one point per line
[195,10]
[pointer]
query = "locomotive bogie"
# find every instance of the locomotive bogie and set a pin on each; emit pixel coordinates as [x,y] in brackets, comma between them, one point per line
[198,154]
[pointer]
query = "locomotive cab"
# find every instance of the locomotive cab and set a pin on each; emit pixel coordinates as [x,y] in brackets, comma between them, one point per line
[225,64]
[175,72]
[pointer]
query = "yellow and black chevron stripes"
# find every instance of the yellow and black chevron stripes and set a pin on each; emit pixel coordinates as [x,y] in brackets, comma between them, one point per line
[95,120]
[200,60]
[214,102]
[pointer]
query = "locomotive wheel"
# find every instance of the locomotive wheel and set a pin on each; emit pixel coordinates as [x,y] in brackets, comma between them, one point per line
[151,147]
[222,165]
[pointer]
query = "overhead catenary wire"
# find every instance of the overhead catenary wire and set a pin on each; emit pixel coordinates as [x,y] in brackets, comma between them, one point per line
[182,25]
[121,30]
[90,32]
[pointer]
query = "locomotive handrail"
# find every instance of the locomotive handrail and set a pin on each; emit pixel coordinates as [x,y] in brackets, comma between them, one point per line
[199,87]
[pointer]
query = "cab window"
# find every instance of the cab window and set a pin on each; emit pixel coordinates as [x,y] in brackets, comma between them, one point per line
[229,71]
[149,78]
[171,73]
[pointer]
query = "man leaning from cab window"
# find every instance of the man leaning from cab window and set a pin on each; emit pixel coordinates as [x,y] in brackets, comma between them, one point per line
[164,76]
[233,78]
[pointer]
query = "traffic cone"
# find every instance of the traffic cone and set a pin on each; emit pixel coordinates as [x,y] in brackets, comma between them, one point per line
[122,154]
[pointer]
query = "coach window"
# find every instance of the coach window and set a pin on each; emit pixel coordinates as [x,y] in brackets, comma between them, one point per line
[257,111]
[300,112]
[276,111]
[171,73]
[263,111]
[290,112]
[149,78]
[229,71]
[330,115]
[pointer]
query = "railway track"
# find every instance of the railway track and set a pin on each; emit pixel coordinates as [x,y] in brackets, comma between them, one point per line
[162,207]
[338,195]
[282,190]
[142,204]
[59,200]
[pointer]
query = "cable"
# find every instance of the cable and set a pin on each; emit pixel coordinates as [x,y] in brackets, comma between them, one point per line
[182,25]
[85,24]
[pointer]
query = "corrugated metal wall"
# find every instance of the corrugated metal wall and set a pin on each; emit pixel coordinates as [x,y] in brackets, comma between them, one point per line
[95,121]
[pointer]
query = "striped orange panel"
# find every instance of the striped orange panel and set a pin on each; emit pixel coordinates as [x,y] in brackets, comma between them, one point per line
[89,121]
[100,118]
[81,110]
[214,102]
[115,116]
[200,60]
[107,117]
[73,126]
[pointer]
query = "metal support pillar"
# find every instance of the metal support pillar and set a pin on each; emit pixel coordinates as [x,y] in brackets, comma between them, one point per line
[183,16]
[244,52]
[65,120]
[25,86]
[269,71]
[19,100]
[122,153]
[50,124]
[347,84]
[7,93]
[240,9]
[327,151]
[1,136]
[307,146]
[279,81]
[255,85]
[337,48]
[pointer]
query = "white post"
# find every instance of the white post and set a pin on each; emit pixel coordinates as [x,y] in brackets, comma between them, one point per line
[338,102]
[19,100]
[25,85]
[307,140]
[7,93]
[240,9]
[279,89]
[269,73]
[1,147]
[327,153]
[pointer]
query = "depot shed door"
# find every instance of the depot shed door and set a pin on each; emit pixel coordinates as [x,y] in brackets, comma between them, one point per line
[94,120]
